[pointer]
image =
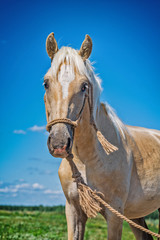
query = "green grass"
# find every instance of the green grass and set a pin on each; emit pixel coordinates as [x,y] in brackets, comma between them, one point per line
[42,225]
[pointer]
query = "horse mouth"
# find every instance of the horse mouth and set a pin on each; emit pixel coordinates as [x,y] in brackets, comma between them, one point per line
[60,155]
[61,152]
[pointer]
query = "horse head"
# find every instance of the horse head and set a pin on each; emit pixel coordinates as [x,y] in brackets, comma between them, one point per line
[66,84]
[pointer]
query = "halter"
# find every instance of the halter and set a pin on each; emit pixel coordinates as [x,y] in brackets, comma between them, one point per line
[107,146]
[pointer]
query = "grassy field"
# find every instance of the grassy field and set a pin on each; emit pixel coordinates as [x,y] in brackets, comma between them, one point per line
[42,225]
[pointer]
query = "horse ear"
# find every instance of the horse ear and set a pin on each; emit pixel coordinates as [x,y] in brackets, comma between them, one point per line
[51,45]
[86,48]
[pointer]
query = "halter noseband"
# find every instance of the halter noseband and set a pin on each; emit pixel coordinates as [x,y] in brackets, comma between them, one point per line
[67,120]
[61,120]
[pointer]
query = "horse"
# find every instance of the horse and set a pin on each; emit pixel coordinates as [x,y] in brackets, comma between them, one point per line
[129,177]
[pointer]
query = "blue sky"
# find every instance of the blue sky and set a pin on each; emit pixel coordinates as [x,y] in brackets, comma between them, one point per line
[126,51]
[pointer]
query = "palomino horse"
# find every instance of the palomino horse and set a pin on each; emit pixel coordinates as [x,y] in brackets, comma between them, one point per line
[129,178]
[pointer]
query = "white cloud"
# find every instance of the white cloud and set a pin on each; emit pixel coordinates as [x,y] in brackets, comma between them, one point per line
[49,191]
[8,190]
[37,186]
[4,190]
[29,188]
[22,186]
[36,128]
[22,192]
[14,189]
[19,131]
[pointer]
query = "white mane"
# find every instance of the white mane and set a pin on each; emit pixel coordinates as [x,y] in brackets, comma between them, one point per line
[71,57]
[118,124]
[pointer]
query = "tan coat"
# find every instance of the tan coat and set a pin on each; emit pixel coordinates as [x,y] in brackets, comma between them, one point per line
[130,177]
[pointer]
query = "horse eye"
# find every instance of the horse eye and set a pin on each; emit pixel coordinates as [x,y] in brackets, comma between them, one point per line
[84,87]
[46,84]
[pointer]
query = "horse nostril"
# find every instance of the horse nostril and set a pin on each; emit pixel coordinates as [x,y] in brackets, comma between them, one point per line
[48,141]
[68,144]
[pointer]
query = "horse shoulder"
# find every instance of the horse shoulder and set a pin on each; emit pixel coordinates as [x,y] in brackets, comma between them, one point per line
[67,181]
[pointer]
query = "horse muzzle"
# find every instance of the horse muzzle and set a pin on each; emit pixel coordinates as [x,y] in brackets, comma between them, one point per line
[60,141]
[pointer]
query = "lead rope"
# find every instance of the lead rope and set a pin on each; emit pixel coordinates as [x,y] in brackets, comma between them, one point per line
[90,200]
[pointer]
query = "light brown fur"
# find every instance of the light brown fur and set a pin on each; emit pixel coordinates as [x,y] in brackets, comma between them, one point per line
[129,178]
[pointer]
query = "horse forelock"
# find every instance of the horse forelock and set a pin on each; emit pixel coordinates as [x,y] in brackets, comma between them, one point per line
[67,56]
[70,57]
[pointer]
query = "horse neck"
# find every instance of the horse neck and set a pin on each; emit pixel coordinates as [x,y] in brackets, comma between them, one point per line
[86,145]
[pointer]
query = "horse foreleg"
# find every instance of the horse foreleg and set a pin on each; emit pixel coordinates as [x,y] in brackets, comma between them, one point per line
[114,227]
[76,221]
[139,235]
